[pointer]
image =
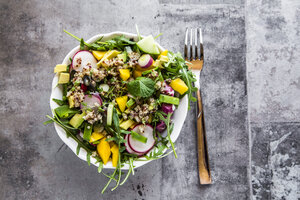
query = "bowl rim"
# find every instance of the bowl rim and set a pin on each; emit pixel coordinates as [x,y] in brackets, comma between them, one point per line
[71,143]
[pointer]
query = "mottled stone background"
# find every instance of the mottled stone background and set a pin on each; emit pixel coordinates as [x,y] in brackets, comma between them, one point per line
[251,92]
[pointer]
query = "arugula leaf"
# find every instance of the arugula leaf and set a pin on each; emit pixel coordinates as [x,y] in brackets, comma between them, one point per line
[81,44]
[71,133]
[64,111]
[141,87]
[100,167]
[59,102]
[48,122]
[88,158]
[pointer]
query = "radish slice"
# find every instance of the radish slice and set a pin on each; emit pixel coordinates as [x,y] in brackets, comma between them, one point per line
[83,59]
[166,89]
[161,126]
[141,147]
[167,108]
[104,87]
[91,101]
[128,149]
[145,61]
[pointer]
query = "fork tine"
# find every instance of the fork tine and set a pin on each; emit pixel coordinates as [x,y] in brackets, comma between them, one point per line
[186,43]
[196,44]
[201,44]
[191,45]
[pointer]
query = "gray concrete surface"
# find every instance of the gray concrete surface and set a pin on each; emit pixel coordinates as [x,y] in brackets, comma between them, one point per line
[250,85]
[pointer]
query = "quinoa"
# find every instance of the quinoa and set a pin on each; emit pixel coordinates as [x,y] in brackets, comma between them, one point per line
[96,74]
[99,74]
[141,113]
[133,59]
[92,117]
[78,96]
[158,85]
[113,62]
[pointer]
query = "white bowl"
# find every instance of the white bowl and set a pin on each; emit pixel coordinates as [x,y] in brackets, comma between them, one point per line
[178,117]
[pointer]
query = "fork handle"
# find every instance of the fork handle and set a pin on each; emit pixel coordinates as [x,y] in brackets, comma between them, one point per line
[203,164]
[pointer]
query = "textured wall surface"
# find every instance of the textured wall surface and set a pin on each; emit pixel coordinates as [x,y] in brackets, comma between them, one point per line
[273,57]
[250,86]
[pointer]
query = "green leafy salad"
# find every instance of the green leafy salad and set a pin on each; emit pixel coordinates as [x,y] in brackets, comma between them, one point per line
[118,99]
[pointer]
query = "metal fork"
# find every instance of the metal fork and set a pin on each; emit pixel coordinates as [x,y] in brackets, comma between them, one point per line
[195,62]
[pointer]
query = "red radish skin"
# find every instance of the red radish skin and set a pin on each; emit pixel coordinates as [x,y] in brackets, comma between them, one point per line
[145,61]
[161,126]
[140,147]
[90,101]
[167,90]
[167,108]
[83,59]
[128,149]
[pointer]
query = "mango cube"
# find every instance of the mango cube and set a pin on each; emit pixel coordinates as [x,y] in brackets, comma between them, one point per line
[115,155]
[124,74]
[99,54]
[179,86]
[137,73]
[95,137]
[121,101]
[164,53]
[107,56]
[103,150]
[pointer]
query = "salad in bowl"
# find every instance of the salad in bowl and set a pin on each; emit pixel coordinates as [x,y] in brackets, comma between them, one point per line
[119,100]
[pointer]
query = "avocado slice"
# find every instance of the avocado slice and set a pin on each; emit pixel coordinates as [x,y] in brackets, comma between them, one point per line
[126,124]
[64,78]
[123,56]
[107,56]
[60,68]
[77,120]
[71,101]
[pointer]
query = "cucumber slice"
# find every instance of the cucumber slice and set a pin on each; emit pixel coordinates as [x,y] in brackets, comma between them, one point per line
[168,99]
[148,45]
[88,128]
[110,111]
[130,103]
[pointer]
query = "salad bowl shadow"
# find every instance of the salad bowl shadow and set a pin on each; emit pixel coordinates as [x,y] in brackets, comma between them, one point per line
[178,117]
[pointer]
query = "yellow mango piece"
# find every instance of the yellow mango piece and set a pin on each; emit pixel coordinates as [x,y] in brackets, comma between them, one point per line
[107,56]
[95,137]
[103,150]
[124,74]
[71,101]
[164,53]
[115,155]
[137,73]
[179,86]
[99,54]
[60,68]
[63,78]
[121,101]
[126,124]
